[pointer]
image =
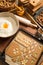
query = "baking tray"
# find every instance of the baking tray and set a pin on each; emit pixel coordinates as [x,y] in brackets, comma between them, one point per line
[32,36]
[28,34]
[2,57]
[37,13]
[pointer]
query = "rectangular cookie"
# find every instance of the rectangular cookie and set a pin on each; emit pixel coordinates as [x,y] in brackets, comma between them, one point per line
[35,2]
[15,49]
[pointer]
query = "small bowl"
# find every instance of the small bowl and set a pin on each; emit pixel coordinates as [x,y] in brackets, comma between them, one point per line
[14,21]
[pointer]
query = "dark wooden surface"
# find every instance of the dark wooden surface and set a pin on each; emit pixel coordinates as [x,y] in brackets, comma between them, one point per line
[3,63]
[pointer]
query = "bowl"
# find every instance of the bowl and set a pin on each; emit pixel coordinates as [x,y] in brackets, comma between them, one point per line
[12,26]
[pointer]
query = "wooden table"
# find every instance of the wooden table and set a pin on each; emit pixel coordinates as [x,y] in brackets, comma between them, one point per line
[3,63]
[4,42]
